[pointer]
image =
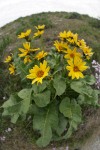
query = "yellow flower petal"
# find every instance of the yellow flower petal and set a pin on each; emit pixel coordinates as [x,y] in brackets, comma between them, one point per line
[8,59]
[12,69]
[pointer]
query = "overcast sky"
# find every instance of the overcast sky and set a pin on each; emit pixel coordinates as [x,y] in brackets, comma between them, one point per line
[12,9]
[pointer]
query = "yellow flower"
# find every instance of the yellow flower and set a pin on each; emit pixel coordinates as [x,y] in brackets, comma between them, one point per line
[8,59]
[61,46]
[40,27]
[69,36]
[26,49]
[24,34]
[27,59]
[38,33]
[88,52]
[41,55]
[72,53]
[12,69]
[72,38]
[38,73]
[76,67]
[81,43]
[63,35]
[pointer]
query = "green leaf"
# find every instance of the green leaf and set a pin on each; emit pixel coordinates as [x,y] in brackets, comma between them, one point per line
[50,115]
[21,68]
[65,107]
[59,85]
[56,137]
[45,139]
[53,116]
[25,104]
[45,122]
[12,108]
[51,62]
[42,99]
[69,133]
[85,99]
[61,125]
[90,79]
[71,109]
[72,126]
[34,109]
[5,112]
[81,87]
[16,106]
[14,118]
[11,101]
[12,105]
[40,87]
[25,94]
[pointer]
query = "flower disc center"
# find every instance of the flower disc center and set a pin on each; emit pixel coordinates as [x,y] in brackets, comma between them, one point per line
[40,73]
[72,55]
[76,69]
[60,47]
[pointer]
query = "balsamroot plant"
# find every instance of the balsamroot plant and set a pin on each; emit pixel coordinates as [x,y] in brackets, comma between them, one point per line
[57,84]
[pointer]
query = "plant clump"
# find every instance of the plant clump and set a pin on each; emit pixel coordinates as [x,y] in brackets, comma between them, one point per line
[57,84]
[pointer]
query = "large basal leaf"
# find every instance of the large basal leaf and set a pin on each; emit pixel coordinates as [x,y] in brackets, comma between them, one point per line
[12,108]
[59,85]
[25,94]
[13,99]
[12,105]
[90,79]
[93,100]
[53,115]
[42,99]
[71,109]
[81,87]
[13,111]
[61,125]
[45,122]
[17,105]
[34,109]
[14,118]
[45,139]
[39,88]
[72,126]
[68,133]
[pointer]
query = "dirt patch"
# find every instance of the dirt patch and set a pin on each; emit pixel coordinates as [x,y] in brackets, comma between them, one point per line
[93,143]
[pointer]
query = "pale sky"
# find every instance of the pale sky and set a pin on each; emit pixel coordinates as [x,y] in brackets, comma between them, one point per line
[12,9]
